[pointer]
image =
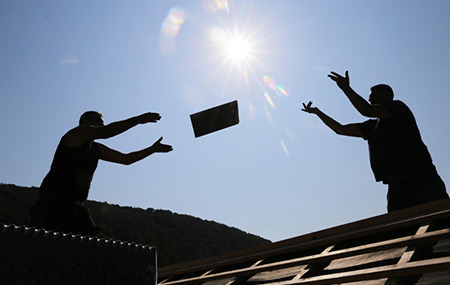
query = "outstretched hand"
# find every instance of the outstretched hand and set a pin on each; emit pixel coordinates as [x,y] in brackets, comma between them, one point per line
[309,109]
[341,81]
[159,147]
[149,118]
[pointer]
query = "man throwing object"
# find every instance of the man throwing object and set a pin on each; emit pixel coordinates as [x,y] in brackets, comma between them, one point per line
[398,156]
[66,186]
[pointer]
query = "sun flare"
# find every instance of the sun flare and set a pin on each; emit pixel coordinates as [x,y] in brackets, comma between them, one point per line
[238,50]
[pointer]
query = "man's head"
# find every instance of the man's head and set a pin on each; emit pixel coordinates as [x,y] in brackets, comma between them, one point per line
[381,93]
[92,118]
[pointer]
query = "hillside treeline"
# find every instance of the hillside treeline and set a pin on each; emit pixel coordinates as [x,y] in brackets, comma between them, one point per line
[178,238]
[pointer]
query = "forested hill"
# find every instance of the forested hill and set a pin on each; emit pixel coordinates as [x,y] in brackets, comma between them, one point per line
[178,238]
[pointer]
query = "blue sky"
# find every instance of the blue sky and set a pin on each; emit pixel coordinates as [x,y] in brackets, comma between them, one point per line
[279,173]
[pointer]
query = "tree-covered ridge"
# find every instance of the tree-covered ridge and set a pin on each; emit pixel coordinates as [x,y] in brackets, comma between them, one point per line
[178,238]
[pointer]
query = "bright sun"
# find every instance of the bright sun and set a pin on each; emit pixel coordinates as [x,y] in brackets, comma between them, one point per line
[238,50]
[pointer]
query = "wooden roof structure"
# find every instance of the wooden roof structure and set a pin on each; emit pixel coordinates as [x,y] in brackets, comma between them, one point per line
[410,246]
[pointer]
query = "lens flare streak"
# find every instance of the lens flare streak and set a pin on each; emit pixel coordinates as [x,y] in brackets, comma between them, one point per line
[269,100]
[283,145]
[282,91]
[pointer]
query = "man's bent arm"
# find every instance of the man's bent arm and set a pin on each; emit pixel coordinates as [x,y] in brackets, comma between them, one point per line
[351,130]
[345,130]
[112,155]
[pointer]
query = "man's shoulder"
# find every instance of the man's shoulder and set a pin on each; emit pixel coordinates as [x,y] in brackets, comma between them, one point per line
[397,107]
[395,103]
[74,137]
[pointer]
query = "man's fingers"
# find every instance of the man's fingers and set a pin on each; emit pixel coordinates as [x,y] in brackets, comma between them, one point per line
[159,147]
[307,106]
[336,75]
[334,78]
[156,117]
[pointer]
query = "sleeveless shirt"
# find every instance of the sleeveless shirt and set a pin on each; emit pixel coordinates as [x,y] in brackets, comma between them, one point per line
[71,172]
[395,146]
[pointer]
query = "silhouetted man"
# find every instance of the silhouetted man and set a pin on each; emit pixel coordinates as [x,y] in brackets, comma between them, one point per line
[65,187]
[398,156]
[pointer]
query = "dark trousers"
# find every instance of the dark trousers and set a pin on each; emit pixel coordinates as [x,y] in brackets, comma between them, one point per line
[62,215]
[414,190]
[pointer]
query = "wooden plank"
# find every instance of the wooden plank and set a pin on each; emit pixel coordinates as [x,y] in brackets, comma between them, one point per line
[404,254]
[386,222]
[295,272]
[219,282]
[423,229]
[207,272]
[410,268]
[273,275]
[399,242]
[411,250]
[242,278]
[165,280]
[310,266]
[407,256]
[368,258]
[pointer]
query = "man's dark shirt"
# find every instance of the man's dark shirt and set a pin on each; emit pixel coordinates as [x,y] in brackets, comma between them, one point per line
[71,172]
[395,146]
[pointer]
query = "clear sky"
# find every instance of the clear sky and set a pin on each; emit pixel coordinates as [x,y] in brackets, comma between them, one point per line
[280,172]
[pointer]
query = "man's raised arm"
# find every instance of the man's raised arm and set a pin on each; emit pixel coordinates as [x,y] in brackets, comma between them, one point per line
[116,128]
[364,108]
[96,130]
